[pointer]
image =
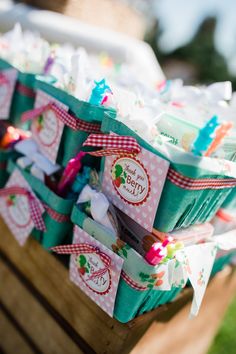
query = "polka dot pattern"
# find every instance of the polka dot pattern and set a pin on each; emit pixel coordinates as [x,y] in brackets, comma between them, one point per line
[157,169]
[21,233]
[6,91]
[105,301]
[56,129]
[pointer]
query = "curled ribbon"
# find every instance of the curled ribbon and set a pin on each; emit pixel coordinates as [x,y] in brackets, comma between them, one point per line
[34,206]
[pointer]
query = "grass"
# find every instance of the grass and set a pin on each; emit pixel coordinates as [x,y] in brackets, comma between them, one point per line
[225,340]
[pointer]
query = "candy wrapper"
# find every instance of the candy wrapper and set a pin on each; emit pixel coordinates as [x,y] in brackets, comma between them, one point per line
[25,50]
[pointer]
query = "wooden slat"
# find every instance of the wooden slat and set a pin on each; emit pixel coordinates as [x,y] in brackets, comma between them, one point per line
[32,317]
[10,339]
[50,278]
[171,328]
[181,335]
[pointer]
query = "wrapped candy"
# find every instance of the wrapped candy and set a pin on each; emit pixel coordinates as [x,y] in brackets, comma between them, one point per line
[26,51]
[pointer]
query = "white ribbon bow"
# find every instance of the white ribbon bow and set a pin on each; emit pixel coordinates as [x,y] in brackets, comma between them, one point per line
[99,205]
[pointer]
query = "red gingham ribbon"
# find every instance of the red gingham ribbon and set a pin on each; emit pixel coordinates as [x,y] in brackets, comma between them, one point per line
[83,248]
[113,144]
[25,90]
[131,282]
[3,165]
[35,211]
[3,79]
[55,215]
[72,122]
[201,183]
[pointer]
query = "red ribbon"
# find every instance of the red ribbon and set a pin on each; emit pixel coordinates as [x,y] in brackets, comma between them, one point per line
[85,248]
[199,183]
[118,145]
[25,90]
[35,211]
[3,79]
[72,122]
[113,144]
[61,218]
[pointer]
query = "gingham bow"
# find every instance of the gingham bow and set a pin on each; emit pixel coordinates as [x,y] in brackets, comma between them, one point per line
[112,144]
[69,120]
[35,210]
[3,79]
[85,248]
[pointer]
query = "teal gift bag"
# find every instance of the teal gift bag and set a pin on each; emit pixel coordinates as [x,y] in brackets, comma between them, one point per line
[57,212]
[230,201]
[5,156]
[138,286]
[67,120]
[23,96]
[193,192]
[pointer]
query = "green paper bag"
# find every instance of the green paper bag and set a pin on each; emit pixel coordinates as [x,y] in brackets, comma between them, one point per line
[57,212]
[133,297]
[179,206]
[23,97]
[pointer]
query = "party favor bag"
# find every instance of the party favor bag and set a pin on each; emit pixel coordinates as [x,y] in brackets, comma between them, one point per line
[56,211]
[230,201]
[164,191]
[222,260]
[5,155]
[140,286]
[22,97]
[61,123]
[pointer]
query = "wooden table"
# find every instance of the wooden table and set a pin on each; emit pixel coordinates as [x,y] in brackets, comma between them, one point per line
[41,311]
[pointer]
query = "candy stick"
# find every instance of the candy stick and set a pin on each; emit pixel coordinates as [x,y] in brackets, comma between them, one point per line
[205,137]
[69,174]
[50,61]
[221,133]
[158,251]
[99,91]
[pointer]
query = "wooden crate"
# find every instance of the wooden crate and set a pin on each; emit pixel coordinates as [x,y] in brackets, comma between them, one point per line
[41,311]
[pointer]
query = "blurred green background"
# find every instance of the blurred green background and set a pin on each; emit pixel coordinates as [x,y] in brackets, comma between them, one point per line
[197,61]
[225,341]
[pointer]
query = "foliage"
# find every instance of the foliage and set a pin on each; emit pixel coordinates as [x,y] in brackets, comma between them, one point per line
[209,64]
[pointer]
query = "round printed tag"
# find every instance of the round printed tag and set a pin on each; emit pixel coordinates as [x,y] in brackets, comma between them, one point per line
[18,209]
[47,128]
[130,180]
[93,272]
